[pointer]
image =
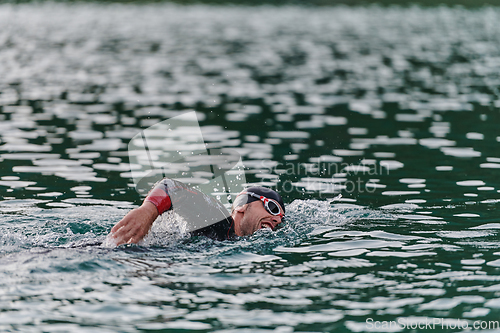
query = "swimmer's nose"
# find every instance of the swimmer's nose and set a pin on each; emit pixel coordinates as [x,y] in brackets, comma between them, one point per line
[276,220]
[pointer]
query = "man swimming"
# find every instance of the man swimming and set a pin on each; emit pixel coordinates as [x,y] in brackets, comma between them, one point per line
[254,208]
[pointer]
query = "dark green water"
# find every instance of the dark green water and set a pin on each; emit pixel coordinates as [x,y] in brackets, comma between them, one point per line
[395,109]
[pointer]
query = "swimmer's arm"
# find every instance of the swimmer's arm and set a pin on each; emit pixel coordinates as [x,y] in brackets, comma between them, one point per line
[135,225]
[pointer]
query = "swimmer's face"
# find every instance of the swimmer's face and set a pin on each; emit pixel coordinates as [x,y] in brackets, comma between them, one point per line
[252,217]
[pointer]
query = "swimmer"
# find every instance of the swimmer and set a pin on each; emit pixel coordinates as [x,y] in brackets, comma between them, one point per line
[254,208]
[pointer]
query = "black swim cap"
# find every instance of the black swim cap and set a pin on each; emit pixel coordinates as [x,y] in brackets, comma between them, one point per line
[242,199]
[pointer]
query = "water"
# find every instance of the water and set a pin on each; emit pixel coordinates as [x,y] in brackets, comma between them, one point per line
[394,109]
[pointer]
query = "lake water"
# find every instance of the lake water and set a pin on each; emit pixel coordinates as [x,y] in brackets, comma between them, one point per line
[394,109]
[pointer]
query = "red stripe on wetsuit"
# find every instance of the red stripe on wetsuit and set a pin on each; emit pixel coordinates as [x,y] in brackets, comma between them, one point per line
[160,199]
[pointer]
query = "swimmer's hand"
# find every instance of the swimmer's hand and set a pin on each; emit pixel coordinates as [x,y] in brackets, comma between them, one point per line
[135,225]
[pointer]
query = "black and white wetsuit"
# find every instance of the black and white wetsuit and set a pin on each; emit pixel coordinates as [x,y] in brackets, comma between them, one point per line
[204,215]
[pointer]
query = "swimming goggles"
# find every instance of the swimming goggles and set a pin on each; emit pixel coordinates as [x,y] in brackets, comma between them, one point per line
[272,206]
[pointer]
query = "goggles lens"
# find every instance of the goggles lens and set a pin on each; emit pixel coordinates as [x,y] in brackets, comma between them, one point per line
[269,204]
[273,208]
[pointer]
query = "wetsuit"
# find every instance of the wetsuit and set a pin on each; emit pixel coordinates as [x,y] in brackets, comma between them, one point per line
[205,216]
